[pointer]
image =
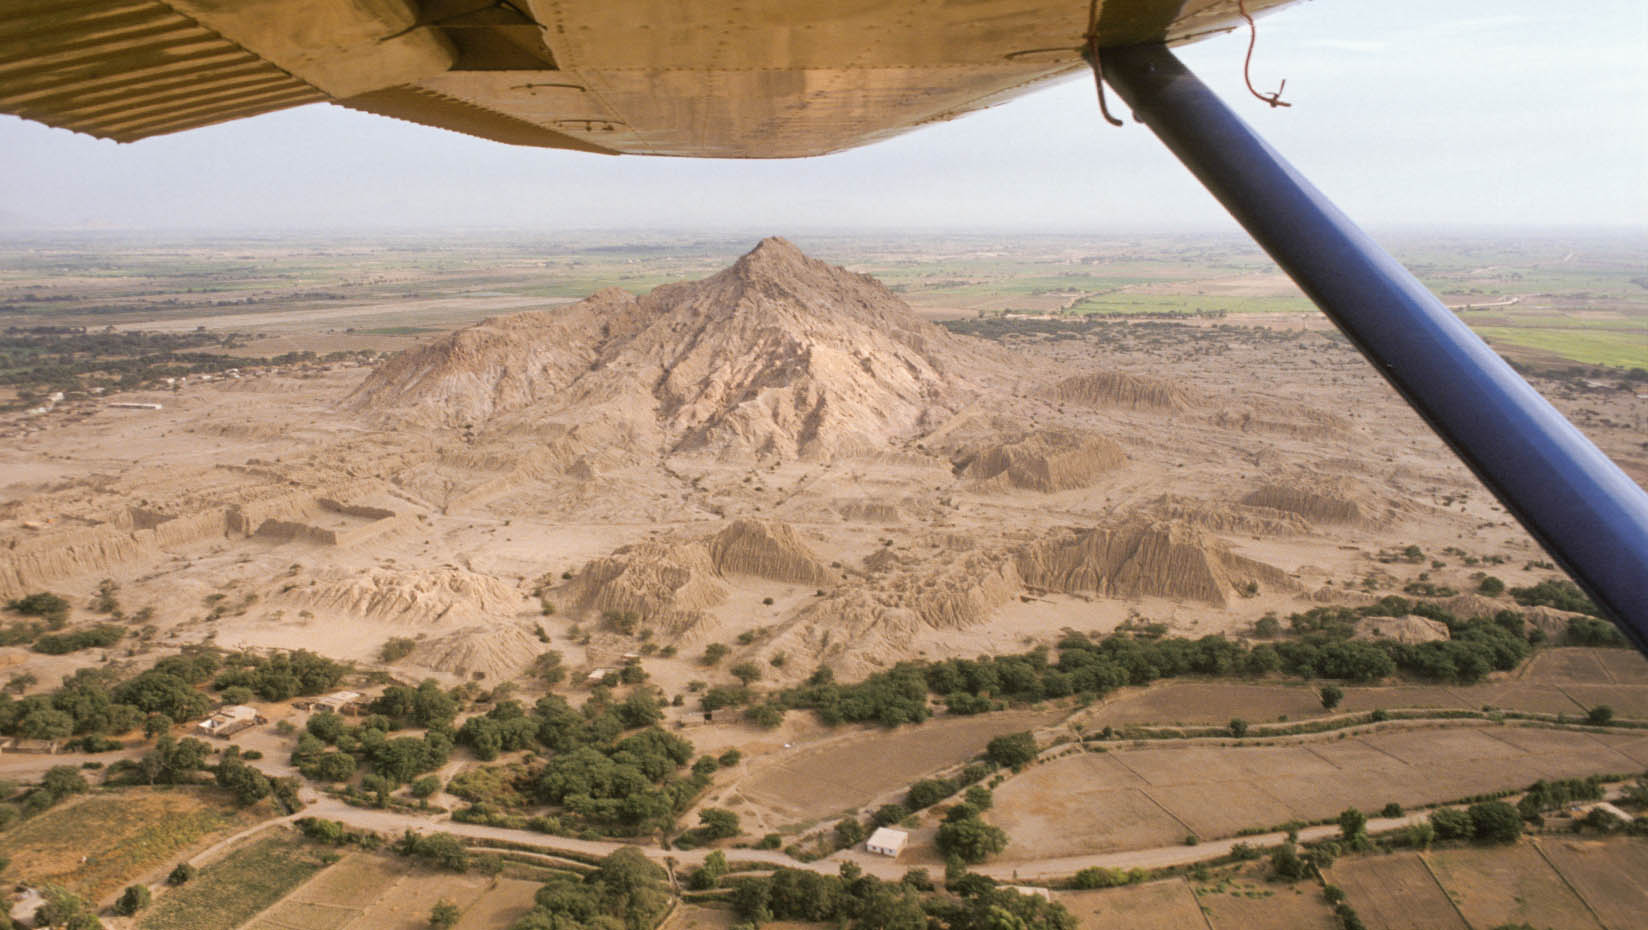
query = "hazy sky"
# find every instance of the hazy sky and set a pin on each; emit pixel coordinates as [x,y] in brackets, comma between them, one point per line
[1412,113]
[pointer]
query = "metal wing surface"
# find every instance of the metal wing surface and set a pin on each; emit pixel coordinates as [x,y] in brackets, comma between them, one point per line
[706,78]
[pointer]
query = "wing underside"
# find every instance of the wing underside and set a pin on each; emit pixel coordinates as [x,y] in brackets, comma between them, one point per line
[766,78]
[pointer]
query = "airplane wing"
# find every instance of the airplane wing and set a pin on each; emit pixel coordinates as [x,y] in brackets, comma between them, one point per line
[709,78]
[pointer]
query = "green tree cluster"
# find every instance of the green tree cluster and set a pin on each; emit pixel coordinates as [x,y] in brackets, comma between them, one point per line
[625,892]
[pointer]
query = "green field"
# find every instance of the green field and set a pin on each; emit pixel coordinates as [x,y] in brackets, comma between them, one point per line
[230,891]
[1601,346]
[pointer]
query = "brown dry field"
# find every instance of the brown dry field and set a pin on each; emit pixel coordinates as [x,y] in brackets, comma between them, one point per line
[1555,681]
[1163,905]
[701,917]
[488,506]
[1498,885]
[371,891]
[698,917]
[504,903]
[1080,804]
[1130,798]
[846,773]
[1203,703]
[1395,892]
[1608,874]
[1571,665]
[1250,902]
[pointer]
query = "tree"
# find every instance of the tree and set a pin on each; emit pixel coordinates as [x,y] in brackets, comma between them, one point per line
[710,873]
[438,849]
[979,797]
[444,915]
[1331,696]
[180,874]
[1286,863]
[45,723]
[246,783]
[331,766]
[972,840]
[1238,727]
[1352,823]
[714,653]
[1491,586]
[1600,715]
[326,726]
[718,824]
[1012,750]
[133,899]
[1495,822]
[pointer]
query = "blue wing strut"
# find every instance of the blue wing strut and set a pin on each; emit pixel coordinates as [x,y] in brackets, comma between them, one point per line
[1586,512]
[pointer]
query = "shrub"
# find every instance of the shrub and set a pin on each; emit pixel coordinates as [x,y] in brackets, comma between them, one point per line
[180,874]
[438,849]
[1420,835]
[1013,749]
[1238,727]
[396,649]
[45,605]
[133,899]
[1331,696]
[1450,823]
[888,814]
[444,915]
[848,833]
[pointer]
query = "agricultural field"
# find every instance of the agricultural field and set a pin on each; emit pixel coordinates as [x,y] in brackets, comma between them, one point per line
[96,844]
[1153,795]
[1246,900]
[1495,886]
[376,891]
[1098,807]
[1163,905]
[1607,874]
[232,890]
[847,773]
[1555,681]
[1396,892]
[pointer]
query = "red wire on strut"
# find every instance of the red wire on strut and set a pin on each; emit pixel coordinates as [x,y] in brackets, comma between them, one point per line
[1275,100]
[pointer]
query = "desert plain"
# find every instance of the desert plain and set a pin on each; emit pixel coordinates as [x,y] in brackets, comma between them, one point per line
[691,468]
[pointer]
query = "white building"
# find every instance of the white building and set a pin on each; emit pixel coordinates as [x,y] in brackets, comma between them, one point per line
[338,702]
[230,720]
[886,841]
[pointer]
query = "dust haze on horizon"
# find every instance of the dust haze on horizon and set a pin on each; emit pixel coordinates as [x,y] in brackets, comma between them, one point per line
[1502,117]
